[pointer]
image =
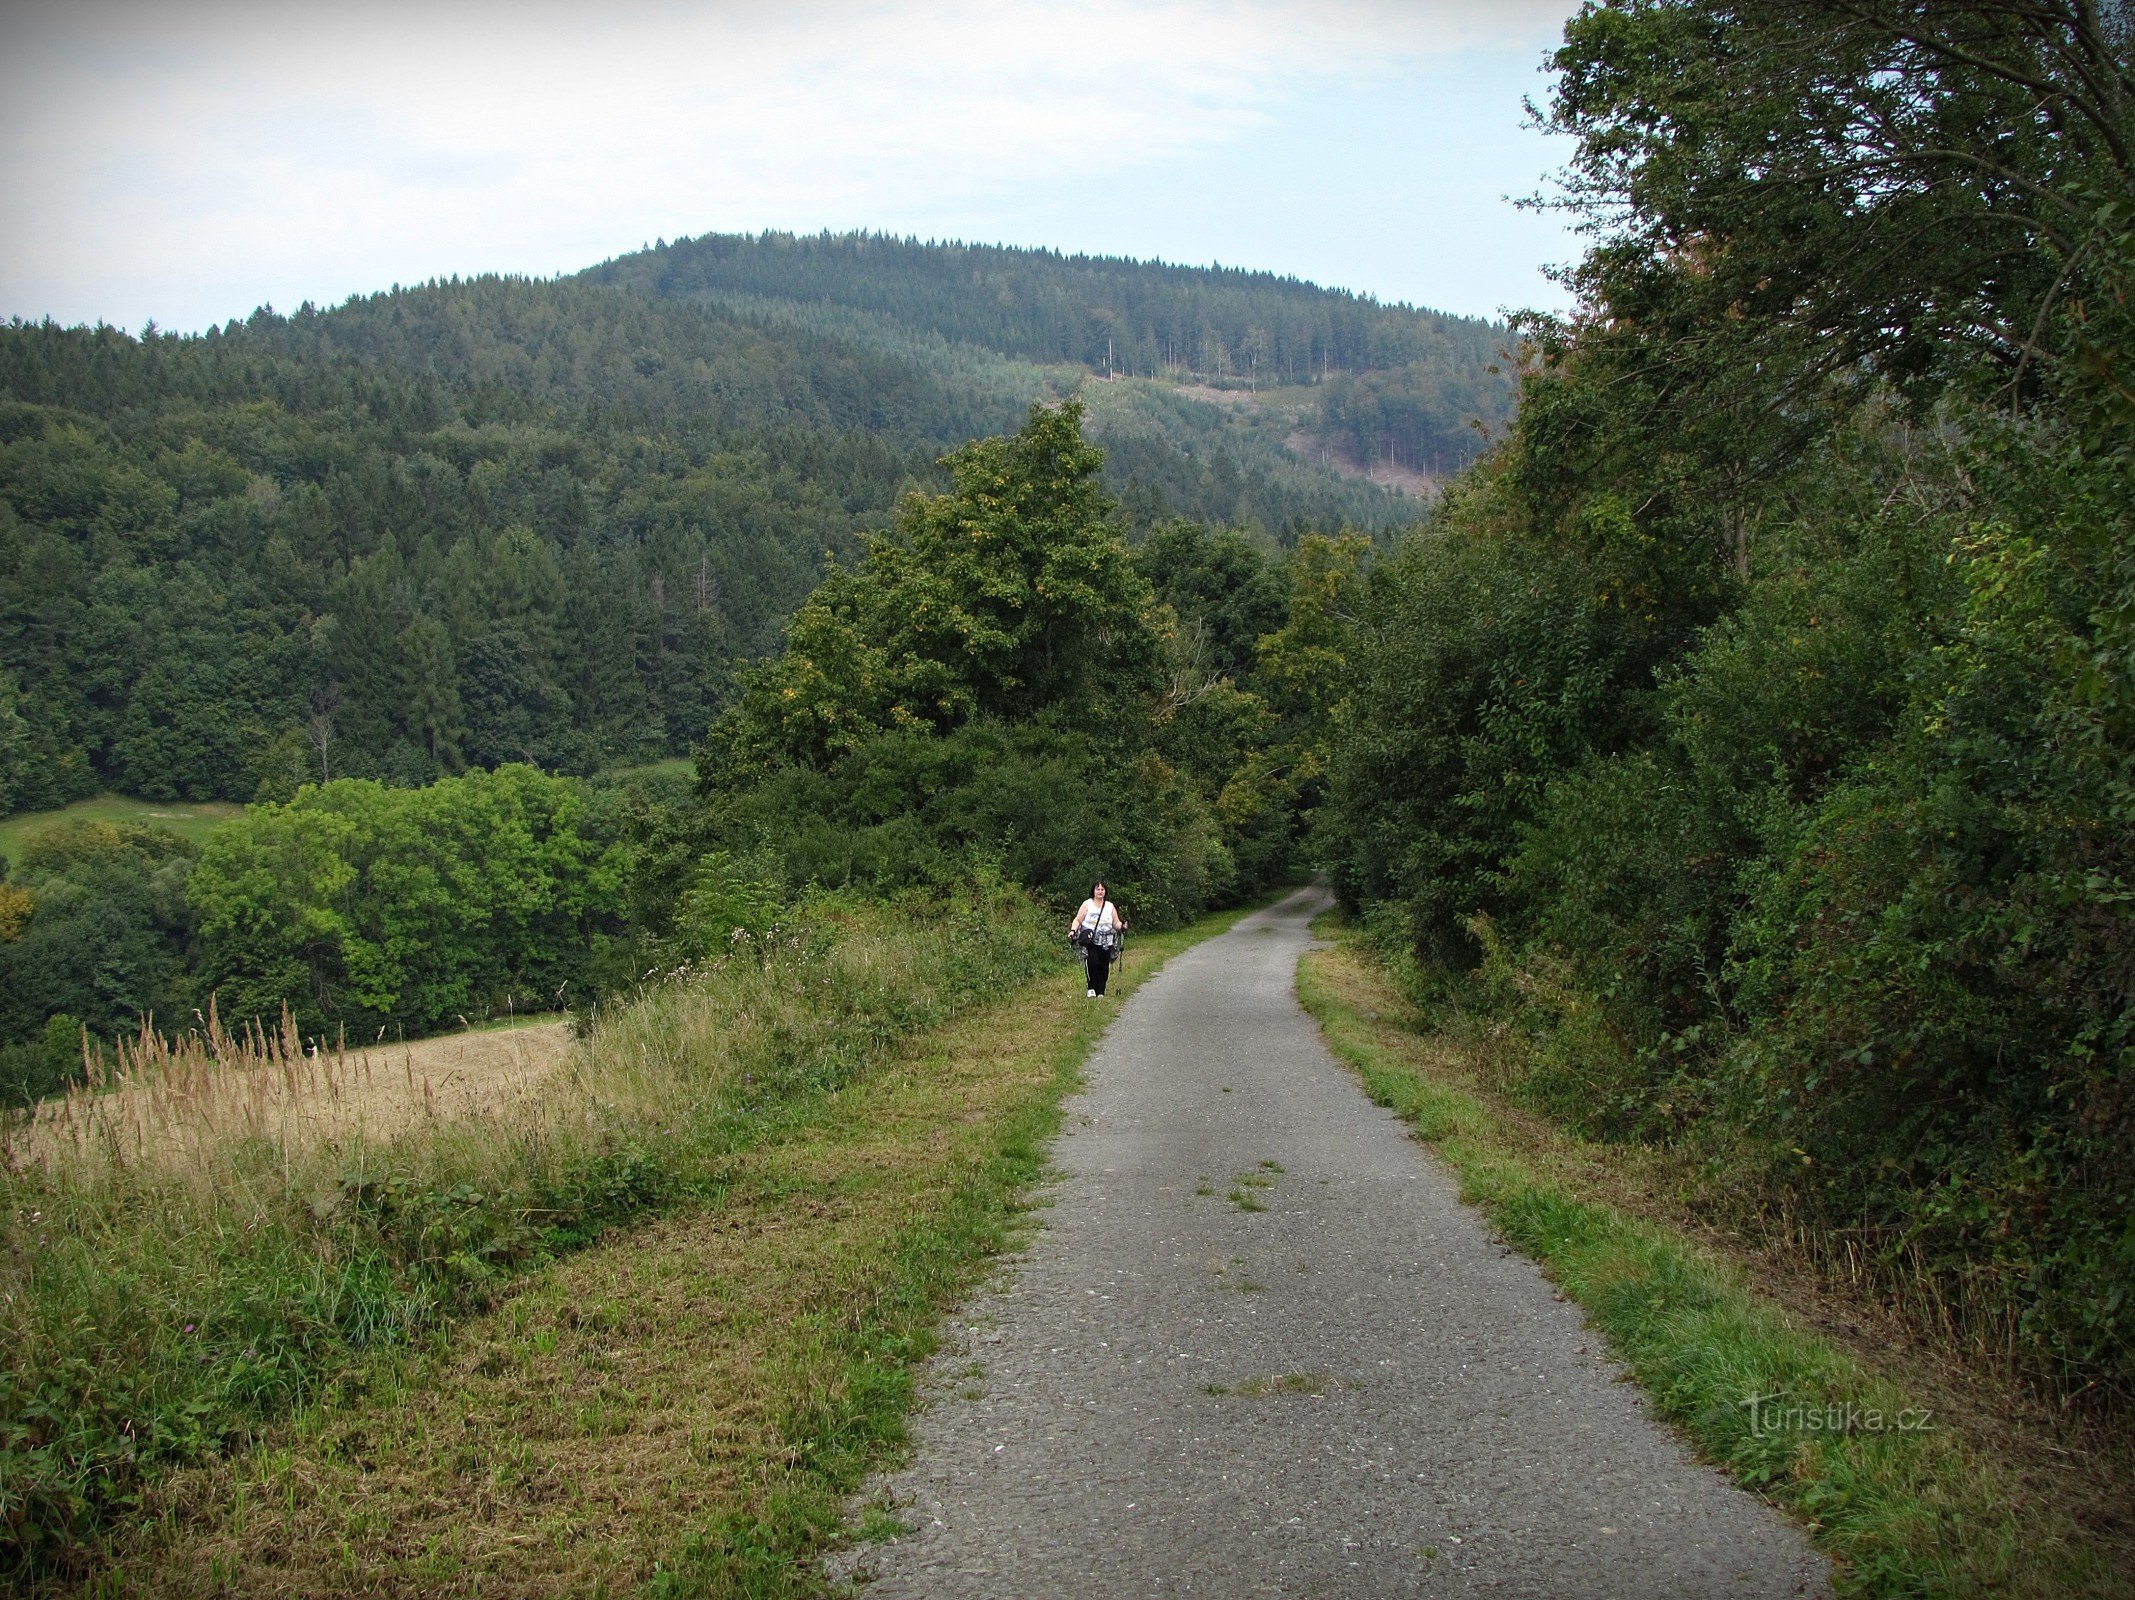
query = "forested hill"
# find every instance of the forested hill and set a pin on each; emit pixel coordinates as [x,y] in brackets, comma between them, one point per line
[476,522]
[1386,378]
[1147,317]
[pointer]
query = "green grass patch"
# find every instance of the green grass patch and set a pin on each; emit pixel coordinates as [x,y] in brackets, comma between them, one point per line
[1316,1384]
[1244,1185]
[1902,1502]
[190,820]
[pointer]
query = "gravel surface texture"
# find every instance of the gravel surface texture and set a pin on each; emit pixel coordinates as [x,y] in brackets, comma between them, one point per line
[1260,1348]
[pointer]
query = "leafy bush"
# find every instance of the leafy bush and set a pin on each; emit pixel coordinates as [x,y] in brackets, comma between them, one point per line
[1485,669]
[100,934]
[381,907]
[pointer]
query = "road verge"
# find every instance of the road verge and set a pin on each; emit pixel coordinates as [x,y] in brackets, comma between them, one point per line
[684,1409]
[1899,1498]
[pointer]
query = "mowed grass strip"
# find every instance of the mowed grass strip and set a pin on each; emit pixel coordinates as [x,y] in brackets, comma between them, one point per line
[682,1411]
[1910,1507]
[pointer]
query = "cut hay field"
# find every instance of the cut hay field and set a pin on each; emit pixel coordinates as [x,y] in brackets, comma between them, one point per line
[675,769]
[235,1231]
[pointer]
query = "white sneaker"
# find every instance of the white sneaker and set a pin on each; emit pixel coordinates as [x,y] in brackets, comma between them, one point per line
[1090,994]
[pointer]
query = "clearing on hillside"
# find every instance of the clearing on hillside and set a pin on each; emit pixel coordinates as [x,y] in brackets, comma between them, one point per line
[190,820]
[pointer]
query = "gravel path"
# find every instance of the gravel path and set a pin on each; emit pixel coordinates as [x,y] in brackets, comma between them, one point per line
[1260,1348]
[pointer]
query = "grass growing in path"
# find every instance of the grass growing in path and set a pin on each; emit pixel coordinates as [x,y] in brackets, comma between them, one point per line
[681,1410]
[1903,1502]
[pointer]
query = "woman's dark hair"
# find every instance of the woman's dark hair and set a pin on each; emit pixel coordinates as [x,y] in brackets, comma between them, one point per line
[1099,884]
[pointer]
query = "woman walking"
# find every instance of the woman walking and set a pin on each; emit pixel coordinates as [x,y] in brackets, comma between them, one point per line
[1096,930]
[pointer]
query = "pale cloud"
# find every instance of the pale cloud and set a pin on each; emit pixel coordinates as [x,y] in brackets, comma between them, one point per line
[188,161]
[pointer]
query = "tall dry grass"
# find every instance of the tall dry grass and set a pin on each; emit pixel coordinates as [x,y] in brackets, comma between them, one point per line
[169,1099]
[181,1259]
[162,1097]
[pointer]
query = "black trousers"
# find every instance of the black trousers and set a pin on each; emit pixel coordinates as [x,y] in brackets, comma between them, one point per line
[1098,963]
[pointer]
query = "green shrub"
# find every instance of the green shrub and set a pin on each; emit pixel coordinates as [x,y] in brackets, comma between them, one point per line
[1484,670]
[406,908]
[106,941]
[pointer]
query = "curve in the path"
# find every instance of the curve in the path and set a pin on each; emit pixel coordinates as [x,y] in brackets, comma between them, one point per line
[1260,1348]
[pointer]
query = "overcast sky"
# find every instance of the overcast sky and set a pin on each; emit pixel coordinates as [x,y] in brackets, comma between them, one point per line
[187,162]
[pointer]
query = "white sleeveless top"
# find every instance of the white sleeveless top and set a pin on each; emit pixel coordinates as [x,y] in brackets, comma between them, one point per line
[1092,916]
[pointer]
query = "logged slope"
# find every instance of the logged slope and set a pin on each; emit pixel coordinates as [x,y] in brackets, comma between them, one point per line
[1386,378]
[1149,318]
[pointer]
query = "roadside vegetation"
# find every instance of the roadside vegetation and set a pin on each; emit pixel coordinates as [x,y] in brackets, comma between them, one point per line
[825,1144]
[1914,1485]
[1753,733]
[160,1308]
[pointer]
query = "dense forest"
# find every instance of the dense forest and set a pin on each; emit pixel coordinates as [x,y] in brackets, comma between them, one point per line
[473,523]
[1753,734]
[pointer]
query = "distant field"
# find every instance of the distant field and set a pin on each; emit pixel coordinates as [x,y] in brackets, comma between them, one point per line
[179,1110]
[184,818]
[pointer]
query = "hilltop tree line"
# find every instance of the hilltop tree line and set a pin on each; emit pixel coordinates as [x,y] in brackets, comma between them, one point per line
[1403,380]
[1754,732]
[1045,306]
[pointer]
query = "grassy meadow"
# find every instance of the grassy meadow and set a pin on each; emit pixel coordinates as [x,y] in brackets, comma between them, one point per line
[194,820]
[157,1315]
[190,820]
